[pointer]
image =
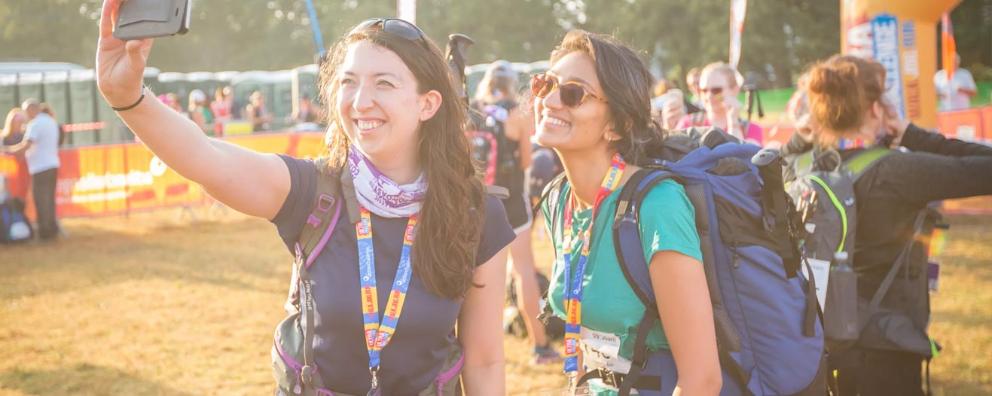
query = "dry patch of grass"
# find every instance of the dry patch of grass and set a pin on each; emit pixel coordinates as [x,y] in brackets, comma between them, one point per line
[153,305]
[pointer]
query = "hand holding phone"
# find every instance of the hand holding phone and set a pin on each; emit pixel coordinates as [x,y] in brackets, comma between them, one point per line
[893,126]
[120,65]
[141,19]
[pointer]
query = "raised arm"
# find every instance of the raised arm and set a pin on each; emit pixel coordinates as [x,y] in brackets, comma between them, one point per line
[921,177]
[919,139]
[247,181]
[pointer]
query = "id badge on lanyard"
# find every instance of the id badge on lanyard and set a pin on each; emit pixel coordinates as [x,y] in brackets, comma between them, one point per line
[601,350]
[573,277]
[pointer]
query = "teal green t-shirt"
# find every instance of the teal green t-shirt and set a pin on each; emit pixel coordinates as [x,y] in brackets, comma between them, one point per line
[667,223]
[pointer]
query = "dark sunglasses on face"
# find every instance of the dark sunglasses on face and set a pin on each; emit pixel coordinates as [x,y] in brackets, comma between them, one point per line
[712,91]
[572,93]
[394,26]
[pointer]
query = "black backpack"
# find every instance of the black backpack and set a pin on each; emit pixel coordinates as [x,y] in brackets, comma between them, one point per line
[490,147]
[554,327]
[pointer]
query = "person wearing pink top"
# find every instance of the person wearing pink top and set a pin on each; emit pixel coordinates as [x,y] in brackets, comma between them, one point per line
[718,89]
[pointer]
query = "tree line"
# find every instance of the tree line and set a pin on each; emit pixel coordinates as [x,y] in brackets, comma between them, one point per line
[781,37]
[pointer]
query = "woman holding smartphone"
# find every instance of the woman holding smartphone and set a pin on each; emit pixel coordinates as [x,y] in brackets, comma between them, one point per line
[419,219]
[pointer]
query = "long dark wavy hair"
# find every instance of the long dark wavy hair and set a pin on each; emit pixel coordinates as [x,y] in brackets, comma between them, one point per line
[627,83]
[453,210]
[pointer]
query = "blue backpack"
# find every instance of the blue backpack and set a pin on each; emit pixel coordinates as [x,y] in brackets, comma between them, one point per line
[14,227]
[769,334]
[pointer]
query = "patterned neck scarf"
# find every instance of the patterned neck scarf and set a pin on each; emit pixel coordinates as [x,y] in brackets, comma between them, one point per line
[380,195]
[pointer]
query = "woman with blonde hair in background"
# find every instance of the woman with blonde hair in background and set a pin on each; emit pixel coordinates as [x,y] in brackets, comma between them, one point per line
[719,86]
[13,127]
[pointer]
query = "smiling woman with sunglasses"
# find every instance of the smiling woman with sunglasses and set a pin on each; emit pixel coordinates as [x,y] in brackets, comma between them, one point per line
[593,108]
[419,252]
[718,89]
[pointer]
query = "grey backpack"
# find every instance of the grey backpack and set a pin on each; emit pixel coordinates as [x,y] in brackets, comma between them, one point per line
[896,315]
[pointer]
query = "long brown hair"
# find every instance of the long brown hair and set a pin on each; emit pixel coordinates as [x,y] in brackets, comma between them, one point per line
[453,210]
[842,90]
[626,83]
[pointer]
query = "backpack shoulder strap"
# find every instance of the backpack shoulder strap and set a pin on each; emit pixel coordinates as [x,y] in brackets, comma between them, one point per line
[324,215]
[630,256]
[313,238]
[864,160]
[627,234]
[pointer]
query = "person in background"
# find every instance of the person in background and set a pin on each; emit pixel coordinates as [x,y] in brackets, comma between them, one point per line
[41,151]
[692,84]
[172,100]
[199,111]
[13,127]
[256,113]
[305,112]
[12,134]
[221,107]
[496,98]
[668,105]
[47,109]
[719,87]
[955,93]
[846,101]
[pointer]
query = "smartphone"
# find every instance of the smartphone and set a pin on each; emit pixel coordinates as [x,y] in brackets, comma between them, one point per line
[140,19]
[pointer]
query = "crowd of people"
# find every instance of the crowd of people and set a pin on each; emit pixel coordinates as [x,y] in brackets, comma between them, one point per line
[399,201]
[32,134]
[211,116]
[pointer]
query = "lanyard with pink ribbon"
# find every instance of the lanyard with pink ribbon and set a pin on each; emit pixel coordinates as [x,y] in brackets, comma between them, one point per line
[378,334]
[573,281]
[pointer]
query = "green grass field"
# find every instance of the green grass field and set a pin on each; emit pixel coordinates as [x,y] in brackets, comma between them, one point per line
[152,305]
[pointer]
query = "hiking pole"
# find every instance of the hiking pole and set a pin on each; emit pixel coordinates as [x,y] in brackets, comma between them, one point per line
[455,54]
[751,96]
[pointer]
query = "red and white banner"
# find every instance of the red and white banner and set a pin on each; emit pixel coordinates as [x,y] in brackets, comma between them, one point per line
[738,10]
[121,178]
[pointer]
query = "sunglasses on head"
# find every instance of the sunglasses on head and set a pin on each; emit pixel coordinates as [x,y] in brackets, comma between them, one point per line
[394,26]
[712,91]
[572,93]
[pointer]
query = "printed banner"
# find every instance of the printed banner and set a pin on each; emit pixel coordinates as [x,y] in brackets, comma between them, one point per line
[114,179]
[885,50]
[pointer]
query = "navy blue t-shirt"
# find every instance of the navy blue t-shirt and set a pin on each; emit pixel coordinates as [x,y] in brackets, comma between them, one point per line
[425,331]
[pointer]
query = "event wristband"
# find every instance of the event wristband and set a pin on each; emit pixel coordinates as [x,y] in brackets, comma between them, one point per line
[136,103]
